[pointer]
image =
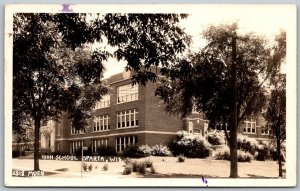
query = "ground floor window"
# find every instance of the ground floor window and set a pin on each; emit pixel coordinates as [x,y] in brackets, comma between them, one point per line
[58,146]
[123,142]
[76,145]
[191,127]
[265,131]
[96,143]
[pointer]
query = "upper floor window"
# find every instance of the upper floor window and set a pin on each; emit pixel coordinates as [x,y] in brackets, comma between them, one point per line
[126,119]
[104,102]
[250,127]
[75,132]
[101,123]
[58,131]
[127,93]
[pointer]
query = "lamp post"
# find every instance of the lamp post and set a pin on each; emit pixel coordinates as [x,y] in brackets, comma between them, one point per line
[82,149]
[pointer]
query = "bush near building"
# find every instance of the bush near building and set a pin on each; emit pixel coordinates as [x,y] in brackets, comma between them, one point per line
[189,145]
[216,138]
[106,151]
[224,154]
[160,150]
[144,151]
[133,152]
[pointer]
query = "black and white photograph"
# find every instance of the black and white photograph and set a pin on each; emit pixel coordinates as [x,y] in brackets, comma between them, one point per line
[150,95]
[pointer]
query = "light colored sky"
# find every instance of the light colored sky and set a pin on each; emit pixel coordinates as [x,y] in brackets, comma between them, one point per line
[261,19]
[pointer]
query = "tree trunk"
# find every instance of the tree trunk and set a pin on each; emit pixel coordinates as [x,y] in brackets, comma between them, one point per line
[278,152]
[37,124]
[233,154]
[233,128]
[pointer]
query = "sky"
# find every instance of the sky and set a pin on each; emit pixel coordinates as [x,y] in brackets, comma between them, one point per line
[263,20]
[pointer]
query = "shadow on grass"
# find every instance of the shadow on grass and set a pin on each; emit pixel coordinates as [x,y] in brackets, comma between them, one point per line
[46,173]
[175,175]
[62,169]
[257,176]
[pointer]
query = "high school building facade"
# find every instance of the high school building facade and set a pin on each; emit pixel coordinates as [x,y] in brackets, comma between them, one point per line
[128,115]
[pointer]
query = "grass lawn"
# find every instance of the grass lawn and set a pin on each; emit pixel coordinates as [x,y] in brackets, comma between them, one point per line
[165,167]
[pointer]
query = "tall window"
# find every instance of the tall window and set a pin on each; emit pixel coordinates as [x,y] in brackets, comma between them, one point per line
[123,142]
[104,102]
[127,93]
[58,131]
[96,143]
[76,145]
[127,119]
[27,133]
[250,127]
[101,123]
[191,127]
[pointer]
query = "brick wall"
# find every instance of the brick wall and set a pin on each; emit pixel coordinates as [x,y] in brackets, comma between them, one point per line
[156,118]
[158,139]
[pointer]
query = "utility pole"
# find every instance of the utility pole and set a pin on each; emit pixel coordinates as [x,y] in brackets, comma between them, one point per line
[233,129]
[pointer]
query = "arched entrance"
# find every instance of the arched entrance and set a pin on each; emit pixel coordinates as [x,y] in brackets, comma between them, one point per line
[46,142]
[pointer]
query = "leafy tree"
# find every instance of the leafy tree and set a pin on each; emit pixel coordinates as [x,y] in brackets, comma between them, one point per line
[207,79]
[53,73]
[275,114]
[49,78]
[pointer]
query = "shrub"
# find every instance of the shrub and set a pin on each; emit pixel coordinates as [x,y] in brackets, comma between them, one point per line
[105,167]
[90,167]
[148,163]
[16,154]
[193,146]
[127,160]
[84,166]
[224,154]
[142,168]
[107,151]
[135,165]
[247,144]
[181,158]
[244,157]
[152,170]
[128,169]
[216,138]
[133,152]
[145,149]
[263,152]
[159,150]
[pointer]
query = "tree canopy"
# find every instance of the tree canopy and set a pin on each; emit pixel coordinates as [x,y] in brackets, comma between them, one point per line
[203,79]
[54,71]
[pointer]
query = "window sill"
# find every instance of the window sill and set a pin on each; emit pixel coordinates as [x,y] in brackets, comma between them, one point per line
[101,108]
[100,131]
[126,102]
[126,128]
[250,133]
